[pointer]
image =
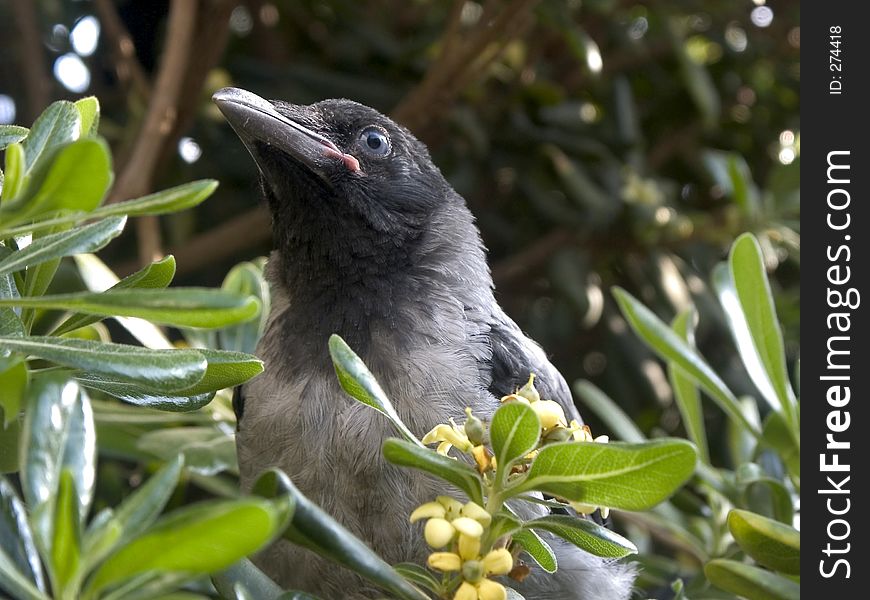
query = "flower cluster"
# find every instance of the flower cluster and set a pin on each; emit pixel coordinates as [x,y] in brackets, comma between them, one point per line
[458,529]
[468,438]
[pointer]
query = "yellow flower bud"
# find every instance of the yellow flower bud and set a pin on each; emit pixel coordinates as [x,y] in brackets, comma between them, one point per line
[514,398]
[427,511]
[445,561]
[601,439]
[550,413]
[438,532]
[469,547]
[466,591]
[605,512]
[469,527]
[583,509]
[475,511]
[491,590]
[528,391]
[498,562]
[451,505]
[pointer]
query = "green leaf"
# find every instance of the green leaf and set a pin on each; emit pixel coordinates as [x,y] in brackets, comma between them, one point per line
[53,399]
[686,393]
[358,382]
[13,382]
[10,322]
[88,238]
[80,454]
[750,582]
[246,573]
[13,175]
[134,515]
[779,438]
[57,125]
[77,180]
[744,292]
[166,370]
[89,112]
[772,544]
[157,275]
[197,539]
[763,493]
[174,199]
[669,346]
[17,549]
[65,544]
[10,447]
[206,450]
[608,411]
[15,583]
[224,370]
[514,431]
[11,134]
[179,307]
[586,535]
[696,78]
[313,528]
[537,548]
[617,475]
[419,576]
[407,454]
[247,279]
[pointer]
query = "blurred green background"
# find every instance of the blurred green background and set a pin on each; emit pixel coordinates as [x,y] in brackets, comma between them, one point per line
[598,143]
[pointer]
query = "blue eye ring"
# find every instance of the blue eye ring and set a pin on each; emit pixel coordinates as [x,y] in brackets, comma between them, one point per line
[375,141]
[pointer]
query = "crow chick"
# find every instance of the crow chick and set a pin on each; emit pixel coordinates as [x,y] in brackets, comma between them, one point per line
[372,243]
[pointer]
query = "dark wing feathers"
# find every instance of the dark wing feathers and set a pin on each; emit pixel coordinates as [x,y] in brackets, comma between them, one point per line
[514,356]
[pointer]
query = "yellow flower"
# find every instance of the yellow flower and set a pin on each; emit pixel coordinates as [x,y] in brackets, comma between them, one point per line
[475,511]
[448,436]
[438,532]
[498,562]
[427,511]
[485,589]
[550,413]
[484,459]
[468,526]
[514,398]
[466,591]
[528,391]
[445,561]
[490,590]
[469,547]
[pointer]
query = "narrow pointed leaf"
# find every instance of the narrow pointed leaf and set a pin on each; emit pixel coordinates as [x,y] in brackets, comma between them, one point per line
[58,124]
[197,539]
[246,573]
[76,180]
[13,382]
[179,307]
[171,200]
[316,530]
[65,543]
[15,583]
[745,294]
[537,548]
[166,370]
[80,454]
[88,238]
[750,582]
[11,134]
[772,544]
[407,454]
[617,475]
[89,113]
[686,393]
[358,382]
[157,275]
[13,174]
[586,535]
[669,346]
[16,539]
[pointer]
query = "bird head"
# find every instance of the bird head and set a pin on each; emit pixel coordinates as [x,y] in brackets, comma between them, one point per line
[336,164]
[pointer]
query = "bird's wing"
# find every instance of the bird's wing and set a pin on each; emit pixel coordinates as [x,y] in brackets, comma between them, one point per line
[514,356]
[238,404]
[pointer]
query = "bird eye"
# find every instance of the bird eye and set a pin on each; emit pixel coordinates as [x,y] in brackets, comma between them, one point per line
[375,142]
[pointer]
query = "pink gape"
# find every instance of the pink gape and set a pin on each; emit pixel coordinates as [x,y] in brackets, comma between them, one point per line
[349,160]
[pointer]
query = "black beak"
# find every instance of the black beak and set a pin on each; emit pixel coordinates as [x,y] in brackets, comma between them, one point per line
[257,122]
